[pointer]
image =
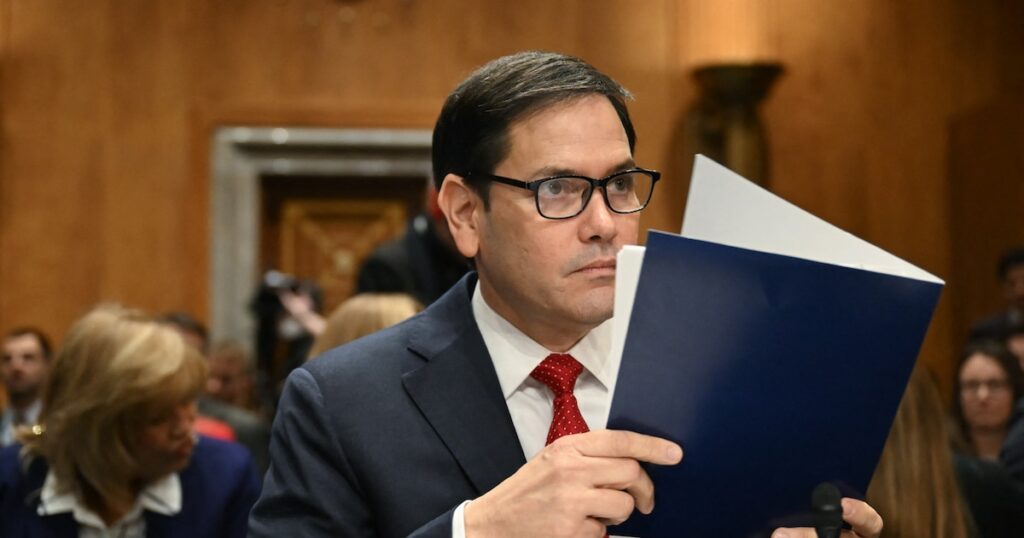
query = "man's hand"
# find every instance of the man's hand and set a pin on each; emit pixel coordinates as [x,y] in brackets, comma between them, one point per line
[574,487]
[865,523]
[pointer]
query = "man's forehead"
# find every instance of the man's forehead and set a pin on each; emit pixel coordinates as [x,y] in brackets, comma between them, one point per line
[559,170]
[23,341]
[548,141]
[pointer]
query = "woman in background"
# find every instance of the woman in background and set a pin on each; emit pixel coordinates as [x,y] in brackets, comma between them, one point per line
[115,453]
[988,384]
[914,488]
[361,315]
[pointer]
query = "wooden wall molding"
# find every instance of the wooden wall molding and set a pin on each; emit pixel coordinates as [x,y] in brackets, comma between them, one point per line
[241,155]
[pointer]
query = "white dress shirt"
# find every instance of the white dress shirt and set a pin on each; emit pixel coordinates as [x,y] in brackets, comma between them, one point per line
[162,497]
[530,402]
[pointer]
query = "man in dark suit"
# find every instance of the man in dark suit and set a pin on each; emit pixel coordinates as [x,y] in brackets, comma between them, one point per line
[1010,271]
[471,419]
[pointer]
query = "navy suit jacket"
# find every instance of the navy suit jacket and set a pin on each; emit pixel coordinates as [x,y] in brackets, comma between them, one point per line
[386,436]
[218,488]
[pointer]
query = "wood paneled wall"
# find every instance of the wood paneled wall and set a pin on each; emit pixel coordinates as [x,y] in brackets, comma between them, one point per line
[860,122]
[106,112]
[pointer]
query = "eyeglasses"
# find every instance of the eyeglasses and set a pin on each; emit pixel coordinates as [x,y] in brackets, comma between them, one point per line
[974,386]
[564,197]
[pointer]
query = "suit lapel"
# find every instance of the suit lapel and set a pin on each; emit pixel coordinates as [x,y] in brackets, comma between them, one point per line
[457,390]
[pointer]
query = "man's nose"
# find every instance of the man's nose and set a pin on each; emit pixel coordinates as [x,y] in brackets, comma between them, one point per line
[597,220]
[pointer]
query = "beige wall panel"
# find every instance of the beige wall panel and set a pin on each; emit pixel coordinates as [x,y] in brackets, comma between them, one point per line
[54,160]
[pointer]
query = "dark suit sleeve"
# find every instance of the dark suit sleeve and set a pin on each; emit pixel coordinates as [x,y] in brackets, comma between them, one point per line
[440,527]
[310,488]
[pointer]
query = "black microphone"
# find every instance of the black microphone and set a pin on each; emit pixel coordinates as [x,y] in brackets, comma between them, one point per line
[828,510]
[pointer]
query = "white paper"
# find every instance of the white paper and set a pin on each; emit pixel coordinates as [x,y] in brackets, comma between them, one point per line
[627,277]
[725,208]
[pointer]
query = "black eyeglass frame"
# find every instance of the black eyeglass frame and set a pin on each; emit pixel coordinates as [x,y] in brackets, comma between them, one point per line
[534,186]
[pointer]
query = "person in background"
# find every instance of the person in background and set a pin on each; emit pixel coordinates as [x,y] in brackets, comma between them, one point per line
[1013,338]
[25,363]
[245,427]
[1010,271]
[114,452]
[914,487]
[361,315]
[190,328]
[988,383]
[1012,455]
[423,262]
[231,376]
[922,488]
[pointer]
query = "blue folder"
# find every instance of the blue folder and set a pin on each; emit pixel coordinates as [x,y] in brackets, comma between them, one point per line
[773,372]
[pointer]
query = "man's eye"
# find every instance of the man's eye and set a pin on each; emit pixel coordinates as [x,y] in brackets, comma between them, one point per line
[622,184]
[560,187]
[552,187]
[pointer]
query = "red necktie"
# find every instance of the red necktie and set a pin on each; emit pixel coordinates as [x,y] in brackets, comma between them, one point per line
[559,372]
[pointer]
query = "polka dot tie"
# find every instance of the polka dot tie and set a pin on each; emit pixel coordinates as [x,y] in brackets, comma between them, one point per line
[559,372]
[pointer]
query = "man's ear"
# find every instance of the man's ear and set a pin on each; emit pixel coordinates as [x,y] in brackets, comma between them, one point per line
[463,208]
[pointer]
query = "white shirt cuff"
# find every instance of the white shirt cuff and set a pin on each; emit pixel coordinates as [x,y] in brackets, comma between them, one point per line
[459,521]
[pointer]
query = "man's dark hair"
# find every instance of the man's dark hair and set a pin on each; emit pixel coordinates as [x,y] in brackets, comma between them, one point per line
[471,134]
[1010,259]
[186,323]
[40,336]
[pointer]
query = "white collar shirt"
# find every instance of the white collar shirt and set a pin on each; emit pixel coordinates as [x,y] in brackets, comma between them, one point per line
[162,496]
[531,403]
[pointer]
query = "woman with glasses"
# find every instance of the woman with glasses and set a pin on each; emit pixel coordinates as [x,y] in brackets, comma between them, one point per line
[115,451]
[988,384]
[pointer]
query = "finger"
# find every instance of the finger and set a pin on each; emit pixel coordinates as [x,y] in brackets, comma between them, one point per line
[623,474]
[863,519]
[609,506]
[593,527]
[625,444]
[795,533]
[614,473]
[643,494]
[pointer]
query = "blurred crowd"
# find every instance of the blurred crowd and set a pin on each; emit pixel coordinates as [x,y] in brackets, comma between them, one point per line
[139,425]
[140,422]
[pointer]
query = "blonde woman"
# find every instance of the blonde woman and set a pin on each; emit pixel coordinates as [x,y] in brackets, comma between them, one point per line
[114,452]
[361,315]
[914,488]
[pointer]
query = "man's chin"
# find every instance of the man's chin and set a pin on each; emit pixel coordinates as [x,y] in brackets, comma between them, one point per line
[596,307]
